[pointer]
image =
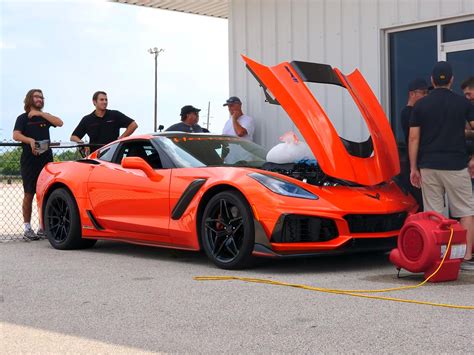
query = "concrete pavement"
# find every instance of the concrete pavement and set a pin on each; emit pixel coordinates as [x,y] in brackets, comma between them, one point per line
[124,298]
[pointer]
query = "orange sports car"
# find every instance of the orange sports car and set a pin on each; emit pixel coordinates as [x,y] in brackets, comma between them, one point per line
[217,193]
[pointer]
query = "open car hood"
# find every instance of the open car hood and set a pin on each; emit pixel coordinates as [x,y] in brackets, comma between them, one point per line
[367,163]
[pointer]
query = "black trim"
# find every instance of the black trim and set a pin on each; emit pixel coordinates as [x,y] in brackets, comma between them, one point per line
[94,221]
[260,235]
[356,149]
[186,198]
[88,161]
[353,246]
[375,223]
[316,73]
[292,228]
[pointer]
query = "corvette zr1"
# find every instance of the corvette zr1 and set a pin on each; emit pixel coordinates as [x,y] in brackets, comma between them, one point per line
[218,194]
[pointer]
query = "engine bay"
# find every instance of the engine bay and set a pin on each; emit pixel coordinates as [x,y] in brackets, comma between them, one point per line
[307,171]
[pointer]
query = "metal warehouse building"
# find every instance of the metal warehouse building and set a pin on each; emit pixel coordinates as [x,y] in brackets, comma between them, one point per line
[390,41]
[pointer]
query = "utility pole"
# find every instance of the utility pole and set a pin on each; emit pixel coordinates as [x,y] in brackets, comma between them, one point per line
[156,52]
[208,113]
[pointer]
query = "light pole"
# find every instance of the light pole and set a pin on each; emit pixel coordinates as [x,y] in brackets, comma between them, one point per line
[156,52]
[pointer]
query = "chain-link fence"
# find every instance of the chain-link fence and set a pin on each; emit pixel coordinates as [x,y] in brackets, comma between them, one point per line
[11,187]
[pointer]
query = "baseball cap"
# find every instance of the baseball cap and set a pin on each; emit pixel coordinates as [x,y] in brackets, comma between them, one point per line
[418,84]
[442,73]
[188,109]
[232,100]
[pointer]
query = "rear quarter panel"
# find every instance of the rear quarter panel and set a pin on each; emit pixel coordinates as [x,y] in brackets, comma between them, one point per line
[72,175]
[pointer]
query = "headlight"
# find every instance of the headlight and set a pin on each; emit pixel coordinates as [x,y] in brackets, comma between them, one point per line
[282,187]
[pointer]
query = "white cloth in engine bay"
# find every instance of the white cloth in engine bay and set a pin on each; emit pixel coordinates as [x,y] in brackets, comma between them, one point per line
[290,150]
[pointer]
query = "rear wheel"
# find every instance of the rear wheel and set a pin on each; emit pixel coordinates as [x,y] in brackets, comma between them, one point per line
[62,222]
[228,234]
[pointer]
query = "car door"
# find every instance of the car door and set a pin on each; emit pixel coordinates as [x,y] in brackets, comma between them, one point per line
[127,200]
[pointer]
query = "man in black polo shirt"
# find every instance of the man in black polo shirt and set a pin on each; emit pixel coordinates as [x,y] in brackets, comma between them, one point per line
[32,126]
[438,155]
[102,125]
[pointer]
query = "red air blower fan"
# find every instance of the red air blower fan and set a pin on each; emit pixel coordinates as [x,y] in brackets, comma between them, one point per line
[422,244]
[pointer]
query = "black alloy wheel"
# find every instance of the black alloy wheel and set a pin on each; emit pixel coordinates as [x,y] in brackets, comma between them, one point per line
[59,219]
[228,234]
[62,222]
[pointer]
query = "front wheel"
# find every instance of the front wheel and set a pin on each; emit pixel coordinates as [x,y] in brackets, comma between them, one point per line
[228,234]
[62,222]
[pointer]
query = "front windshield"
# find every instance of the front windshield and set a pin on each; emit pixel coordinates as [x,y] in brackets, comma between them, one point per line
[199,151]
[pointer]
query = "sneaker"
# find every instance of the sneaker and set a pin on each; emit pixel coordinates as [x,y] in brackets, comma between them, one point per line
[30,235]
[41,234]
[468,265]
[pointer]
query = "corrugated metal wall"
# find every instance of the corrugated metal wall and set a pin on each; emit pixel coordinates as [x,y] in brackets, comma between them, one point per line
[343,33]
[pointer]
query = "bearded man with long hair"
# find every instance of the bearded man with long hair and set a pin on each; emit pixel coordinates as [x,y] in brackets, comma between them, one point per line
[30,127]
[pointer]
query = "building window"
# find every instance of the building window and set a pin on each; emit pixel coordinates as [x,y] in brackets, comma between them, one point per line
[457,31]
[412,55]
[413,52]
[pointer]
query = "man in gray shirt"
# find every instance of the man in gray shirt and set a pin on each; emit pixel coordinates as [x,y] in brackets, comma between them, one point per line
[189,119]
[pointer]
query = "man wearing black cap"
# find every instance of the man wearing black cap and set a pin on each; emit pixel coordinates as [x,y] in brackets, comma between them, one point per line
[417,89]
[189,119]
[238,124]
[438,155]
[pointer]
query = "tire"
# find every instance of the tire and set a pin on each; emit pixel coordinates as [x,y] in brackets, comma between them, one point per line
[227,231]
[62,222]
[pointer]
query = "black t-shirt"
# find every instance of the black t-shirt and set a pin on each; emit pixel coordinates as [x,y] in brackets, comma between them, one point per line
[442,117]
[183,127]
[102,130]
[405,121]
[35,127]
[470,142]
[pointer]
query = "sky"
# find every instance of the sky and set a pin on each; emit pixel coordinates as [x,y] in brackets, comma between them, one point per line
[70,49]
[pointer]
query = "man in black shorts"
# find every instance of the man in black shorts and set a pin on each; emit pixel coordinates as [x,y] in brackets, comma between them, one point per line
[102,125]
[438,154]
[31,126]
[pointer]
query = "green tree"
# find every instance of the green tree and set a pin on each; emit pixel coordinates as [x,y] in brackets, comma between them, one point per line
[10,161]
[69,154]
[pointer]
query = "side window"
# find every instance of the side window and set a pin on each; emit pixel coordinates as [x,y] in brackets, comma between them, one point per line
[141,149]
[107,153]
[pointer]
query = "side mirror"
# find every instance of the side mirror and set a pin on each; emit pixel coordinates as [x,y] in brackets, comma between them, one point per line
[139,163]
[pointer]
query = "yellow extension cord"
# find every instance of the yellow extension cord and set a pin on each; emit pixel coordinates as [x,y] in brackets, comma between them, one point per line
[354,293]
